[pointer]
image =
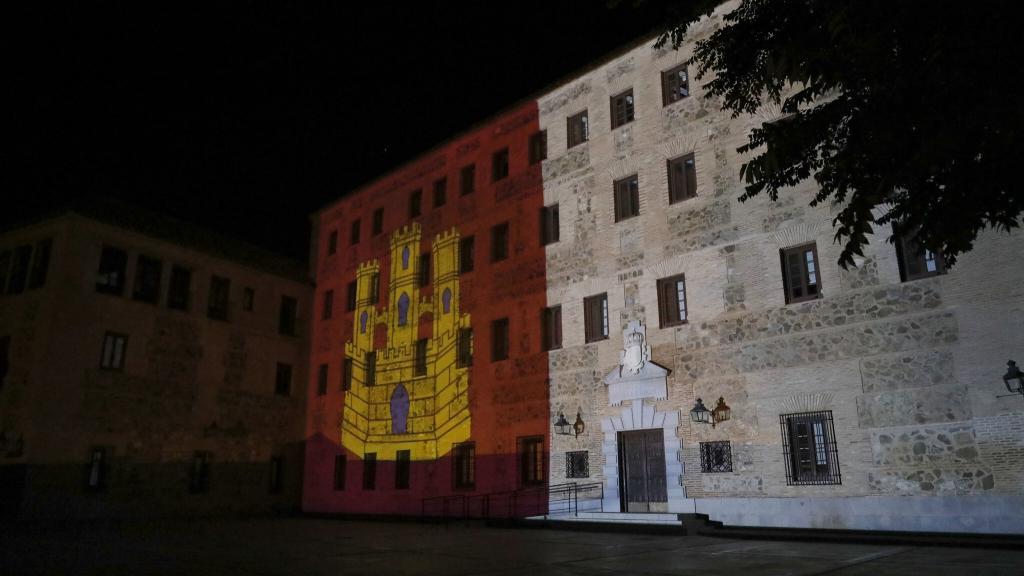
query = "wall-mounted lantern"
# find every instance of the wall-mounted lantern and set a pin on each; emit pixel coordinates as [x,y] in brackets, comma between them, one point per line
[721,412]
[563,428]
[1014,380]
[702,415]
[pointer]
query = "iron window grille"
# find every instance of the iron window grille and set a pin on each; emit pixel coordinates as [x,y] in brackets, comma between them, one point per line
[420,364]
[716,456]
[809,448]
[577,464]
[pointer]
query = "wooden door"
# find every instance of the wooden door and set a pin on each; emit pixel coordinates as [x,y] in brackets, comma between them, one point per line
[642,484]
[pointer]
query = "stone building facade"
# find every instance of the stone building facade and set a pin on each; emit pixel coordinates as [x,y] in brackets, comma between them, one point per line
[861,398]
[147,368]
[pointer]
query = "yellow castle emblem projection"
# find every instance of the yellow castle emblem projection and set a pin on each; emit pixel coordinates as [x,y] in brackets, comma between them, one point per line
[413,394]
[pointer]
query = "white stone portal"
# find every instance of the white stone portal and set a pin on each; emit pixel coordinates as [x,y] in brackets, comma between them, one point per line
[636,377]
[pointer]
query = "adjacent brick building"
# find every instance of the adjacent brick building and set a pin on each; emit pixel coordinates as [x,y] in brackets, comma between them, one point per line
[147,367]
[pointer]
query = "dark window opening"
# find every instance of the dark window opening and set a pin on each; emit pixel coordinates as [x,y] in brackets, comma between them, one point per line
[371,368]
[800,273]
[440,192]
[332,242]
[340,471]
[110,278]
[283,380]
[378,221]
[113,353]
[578,129]
[199,474]
[20,269]
[415,203]
[370,471]
[402,468]
[622,108]
[220,290]
[675,84]
[551,328]
[375,288]
[538,147]
[346,374]
[328,305]
[467,180]
[276,472]
[350,296]
[499,340]
[499,165]
[672,300]
[40,264]
[248,299]
[421,357]
[466,254]
[531,460]
[499,242]
[286,319]
[321,381]
[627,198]
[180,290]
[464,356]
[5,359]
[916,261]
[682,179]
[147,279]
[716,456]
[549,231]
[353,233]
[577,464]
[424,269]
[464,466]
[809,448]
[96,475]
[5,265]
[595,317]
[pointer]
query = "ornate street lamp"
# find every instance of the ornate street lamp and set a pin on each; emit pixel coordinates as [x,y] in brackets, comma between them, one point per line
[1014,380]
[563,428]
[720,413]
[700,413]
[562,425]
[578,426]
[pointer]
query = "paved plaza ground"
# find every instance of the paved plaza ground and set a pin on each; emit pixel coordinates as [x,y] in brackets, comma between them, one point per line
[310,547]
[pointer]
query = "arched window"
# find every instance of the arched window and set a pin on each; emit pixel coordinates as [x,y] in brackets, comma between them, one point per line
[362,323]
[446,300]
[405,258]
[403,309]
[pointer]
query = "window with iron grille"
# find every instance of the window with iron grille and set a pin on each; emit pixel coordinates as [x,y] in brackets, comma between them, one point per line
[672,300]
[551,328]
[809,448]
[622,108]
[549,225]
[577,464]
[682,179]
[499,165]
[402,468]
[800,275]
[370,471]
[440,192]
[378,221]
[716,456]
[464,466]
[916,261]
[538,146]
[675,84]
[467,180]
[340,471]
[595,317]
[578,129]
[627,198]
[531,460]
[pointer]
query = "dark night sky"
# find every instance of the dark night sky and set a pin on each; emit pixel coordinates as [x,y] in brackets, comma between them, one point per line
[248,116]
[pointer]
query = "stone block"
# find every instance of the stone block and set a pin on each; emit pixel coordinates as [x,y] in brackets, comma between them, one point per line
[919,406]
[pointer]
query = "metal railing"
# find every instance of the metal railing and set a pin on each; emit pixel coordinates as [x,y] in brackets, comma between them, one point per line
[565,498]
[568,498]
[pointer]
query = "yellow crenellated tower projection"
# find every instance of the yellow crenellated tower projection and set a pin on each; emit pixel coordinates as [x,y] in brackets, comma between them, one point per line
[398,401]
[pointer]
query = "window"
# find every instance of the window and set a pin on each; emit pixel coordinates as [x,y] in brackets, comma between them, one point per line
[340,469]
[440,192]
[353,232]
[111,274]
[531,460]
[19,271]
[5,264]
[350,296]
[467,179]
[5,358]
[464,356]
[332,242]
[96,481]
[499,165]
[622,108]
[415,203]
[425,269]
[549,225]
[276,474]
[375,288]
[577,129]
[402,466]
[809,448]
[180,290]
[371,368]
[538,147]
[577,464]
[286,319]
[328,305]
[675,85]
[283,381]
[370,471]
[627,198]
[378,221]
[716,456]
[321,381]
[915,261]
[682,179]
[499,242]
[551,328]
[147,279]
[248,299]
[595,317]
[800,273]
[346,374]
[112,356]
[40,264]
[464,464]
[421,357]
[499,339]
[466,254]
[672,300]
[199,474]
[220,289]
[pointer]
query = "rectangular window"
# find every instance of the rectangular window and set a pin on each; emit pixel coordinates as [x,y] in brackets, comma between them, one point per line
[440,192]
[622,109]
[286,319]
[114,348]
[199,474]
[321,381]
[675,85]
[371,368]
[682,179]
[346,374]
[467,179]
[248,299]
[276,473]
[353,232]
[915,261]
[551,328]
[19,271]
[672,300]
[800,273]
[499,165]
[531,460]
[40,264]
[716,456]
[538,147]
[424,269]
[147,279]
[375,288]
[627,198]
[378,221]
[577,129]
[402,467]
[332,242]
[499,242]
[421,357]
[283,380]
[180,291]
[464,356]
[549,231]
[370,471]
[327,309]
[350,296]
[220,289]
[5,359]
[110,278]
[499,340]
[340,471]
[464,466]
[809,448]
[96,480]
[5,265]
[466,254]
[415,203]
[577,464]
[595,317]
